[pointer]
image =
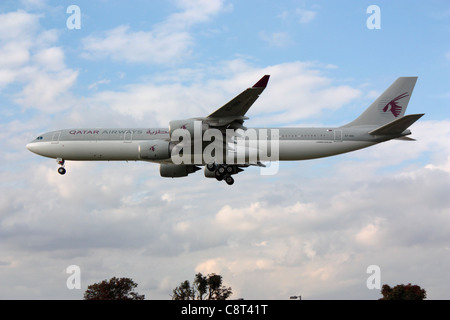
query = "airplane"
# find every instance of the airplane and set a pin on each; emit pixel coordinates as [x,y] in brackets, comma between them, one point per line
[223,129]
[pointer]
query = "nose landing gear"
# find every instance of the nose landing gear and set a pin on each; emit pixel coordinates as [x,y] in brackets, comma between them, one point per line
[61,169]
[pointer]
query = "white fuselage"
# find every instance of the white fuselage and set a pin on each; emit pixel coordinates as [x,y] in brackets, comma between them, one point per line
[127,144]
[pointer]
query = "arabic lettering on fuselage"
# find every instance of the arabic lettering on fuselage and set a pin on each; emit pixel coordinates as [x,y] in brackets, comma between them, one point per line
[158,131]
[149,131]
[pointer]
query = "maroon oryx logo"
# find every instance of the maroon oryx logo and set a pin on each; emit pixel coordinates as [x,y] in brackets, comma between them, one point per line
[152,148]
[393,106]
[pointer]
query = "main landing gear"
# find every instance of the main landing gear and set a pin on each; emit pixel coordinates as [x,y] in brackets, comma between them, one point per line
[61,169]
[223,172]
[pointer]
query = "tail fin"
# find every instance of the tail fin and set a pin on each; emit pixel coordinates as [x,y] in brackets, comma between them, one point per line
[391,105]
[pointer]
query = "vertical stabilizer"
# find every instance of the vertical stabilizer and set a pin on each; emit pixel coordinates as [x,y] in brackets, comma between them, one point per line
[391,105]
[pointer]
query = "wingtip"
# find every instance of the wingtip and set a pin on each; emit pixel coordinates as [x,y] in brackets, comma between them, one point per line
[262,83]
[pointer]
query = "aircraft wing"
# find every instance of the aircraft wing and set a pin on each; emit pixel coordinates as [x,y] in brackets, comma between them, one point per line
[234,111]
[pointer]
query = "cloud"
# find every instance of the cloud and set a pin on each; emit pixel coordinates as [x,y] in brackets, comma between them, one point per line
[121,44]
[18,25]
[46,91]
[50,59]
[29,58]
[33,4]
[167,43]
[305,16]
[276,39]
[302,16]
[16,33]
[194,11]
[94,86]
[296,91]
[370,234]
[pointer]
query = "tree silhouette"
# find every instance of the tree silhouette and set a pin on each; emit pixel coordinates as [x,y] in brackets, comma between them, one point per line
[203,288]
[403,292]
[114,289]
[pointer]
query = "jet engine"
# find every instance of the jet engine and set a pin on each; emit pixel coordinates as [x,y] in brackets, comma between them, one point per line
[155,150]
[176,171]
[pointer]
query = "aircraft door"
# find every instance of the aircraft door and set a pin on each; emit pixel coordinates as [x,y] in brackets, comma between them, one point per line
[128,136]
[337,135]
[55,137]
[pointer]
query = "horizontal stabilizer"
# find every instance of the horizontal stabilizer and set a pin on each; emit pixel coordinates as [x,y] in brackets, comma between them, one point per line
[396,126]
[405,139]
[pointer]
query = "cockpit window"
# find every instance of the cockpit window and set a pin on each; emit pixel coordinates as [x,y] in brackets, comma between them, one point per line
[40,138]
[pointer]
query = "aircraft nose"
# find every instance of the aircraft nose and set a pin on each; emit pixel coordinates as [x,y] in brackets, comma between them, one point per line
[32,147]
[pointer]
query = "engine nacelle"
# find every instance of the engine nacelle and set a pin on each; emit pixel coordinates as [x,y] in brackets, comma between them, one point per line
[176,170]
[191,125]
[155,150]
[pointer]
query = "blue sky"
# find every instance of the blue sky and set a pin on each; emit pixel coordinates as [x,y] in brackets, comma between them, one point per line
[151,62]
[410,42]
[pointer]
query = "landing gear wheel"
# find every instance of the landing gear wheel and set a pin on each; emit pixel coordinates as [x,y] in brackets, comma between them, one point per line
[218,175]
[211,166]
[61,169]
[221,169]
[229,180]
[229,169]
